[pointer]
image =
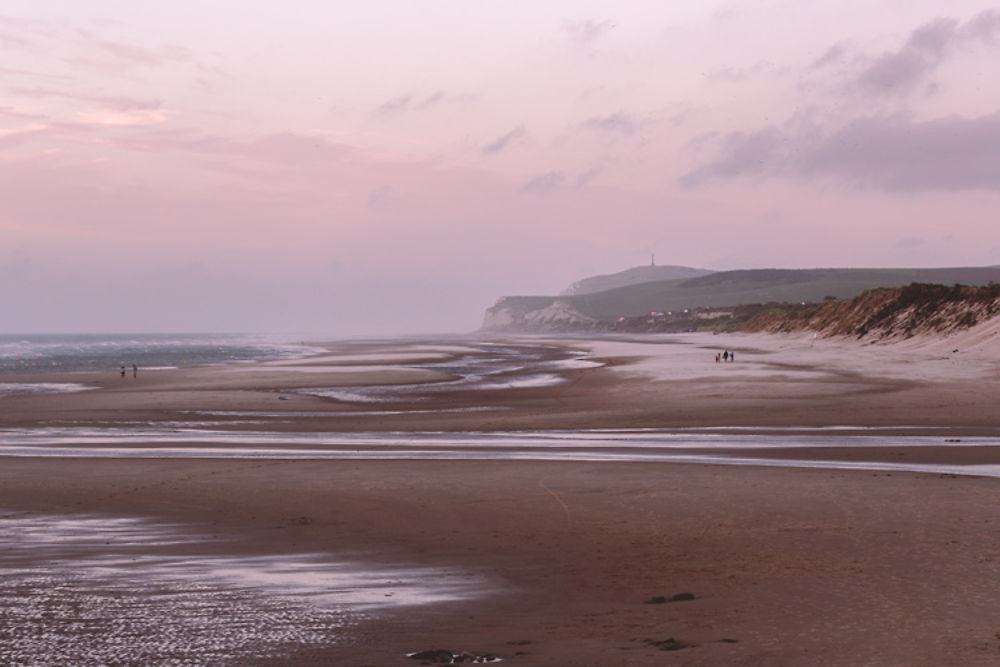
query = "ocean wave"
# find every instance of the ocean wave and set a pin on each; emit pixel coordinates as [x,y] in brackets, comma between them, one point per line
[61,353]
[14,388]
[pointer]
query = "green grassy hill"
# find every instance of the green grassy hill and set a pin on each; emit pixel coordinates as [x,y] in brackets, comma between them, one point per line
[633,276]
[723,289]
[731,288]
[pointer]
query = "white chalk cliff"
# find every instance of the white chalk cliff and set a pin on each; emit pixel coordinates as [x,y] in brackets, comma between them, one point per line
[534,314]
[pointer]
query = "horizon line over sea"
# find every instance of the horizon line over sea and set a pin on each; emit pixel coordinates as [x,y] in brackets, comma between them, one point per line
[90,352]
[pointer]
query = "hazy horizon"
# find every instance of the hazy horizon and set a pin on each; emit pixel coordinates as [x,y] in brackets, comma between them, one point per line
[394,168]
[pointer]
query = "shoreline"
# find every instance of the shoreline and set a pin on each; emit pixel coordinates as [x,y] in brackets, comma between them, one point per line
[786,565]
[782,385]
[649,382]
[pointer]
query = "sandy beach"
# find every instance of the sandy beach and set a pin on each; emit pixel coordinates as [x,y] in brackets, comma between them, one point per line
[653,381]
[579,561]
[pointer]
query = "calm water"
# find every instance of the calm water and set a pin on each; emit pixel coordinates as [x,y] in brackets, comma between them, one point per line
[62,353]
[714,446]
[482,367]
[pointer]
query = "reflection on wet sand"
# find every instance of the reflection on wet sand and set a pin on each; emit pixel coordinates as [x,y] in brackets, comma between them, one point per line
[485,465]
[86,589]
[740,446]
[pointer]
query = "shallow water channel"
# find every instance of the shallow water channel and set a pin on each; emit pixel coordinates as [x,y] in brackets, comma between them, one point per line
[694,445]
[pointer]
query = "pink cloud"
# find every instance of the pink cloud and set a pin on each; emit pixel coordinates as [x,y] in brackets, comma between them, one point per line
[586,32]
[119,102]
[504,141]
[908,68]
[14,113]
[123,118]
[289,149]
[891,153]
[11,40]
[137,55]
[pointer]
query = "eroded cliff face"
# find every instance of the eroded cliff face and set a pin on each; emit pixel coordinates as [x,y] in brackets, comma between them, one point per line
[897,312]
[535,314]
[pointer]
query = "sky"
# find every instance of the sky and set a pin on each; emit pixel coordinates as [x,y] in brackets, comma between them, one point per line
[387,167]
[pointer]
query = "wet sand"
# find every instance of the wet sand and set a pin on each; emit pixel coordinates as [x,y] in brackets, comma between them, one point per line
[652,382]
[799,567]
[786,566]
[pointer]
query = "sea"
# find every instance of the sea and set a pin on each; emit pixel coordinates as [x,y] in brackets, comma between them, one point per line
[70,353]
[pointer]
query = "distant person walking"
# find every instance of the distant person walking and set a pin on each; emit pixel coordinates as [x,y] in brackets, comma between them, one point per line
[135,371]
[725,355]
[717,357]
[732,356]
[123,370]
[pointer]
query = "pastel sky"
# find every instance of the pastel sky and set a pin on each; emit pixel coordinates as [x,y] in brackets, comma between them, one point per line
[352,168]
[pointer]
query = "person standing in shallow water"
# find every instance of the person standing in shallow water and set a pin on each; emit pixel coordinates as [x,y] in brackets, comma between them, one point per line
[123,370]
[135,371]
[725,355]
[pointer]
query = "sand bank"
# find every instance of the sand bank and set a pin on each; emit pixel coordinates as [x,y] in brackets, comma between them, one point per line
[658,381]
[786,566]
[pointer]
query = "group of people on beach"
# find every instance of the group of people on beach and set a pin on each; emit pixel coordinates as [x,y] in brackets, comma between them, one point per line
[135,370]
[725,356]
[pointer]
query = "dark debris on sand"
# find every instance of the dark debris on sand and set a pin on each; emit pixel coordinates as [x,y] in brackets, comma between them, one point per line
[669,644]
[443,656]
[679,597]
